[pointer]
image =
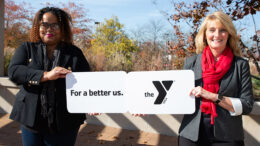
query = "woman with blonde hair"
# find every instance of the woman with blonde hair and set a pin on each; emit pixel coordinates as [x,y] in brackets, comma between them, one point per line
[223,87]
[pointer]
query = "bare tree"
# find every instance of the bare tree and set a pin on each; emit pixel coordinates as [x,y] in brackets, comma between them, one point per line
[155,31]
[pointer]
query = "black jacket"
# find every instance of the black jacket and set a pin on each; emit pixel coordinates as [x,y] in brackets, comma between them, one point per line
[235,83]
[26,69]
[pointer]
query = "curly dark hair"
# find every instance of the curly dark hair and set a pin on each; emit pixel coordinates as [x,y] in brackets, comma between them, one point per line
[64,21]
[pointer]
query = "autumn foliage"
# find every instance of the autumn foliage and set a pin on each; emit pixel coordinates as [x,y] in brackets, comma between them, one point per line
[193,13]
[110,48]
[17,20]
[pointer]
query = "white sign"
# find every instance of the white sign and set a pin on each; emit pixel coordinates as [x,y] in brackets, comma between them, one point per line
[96,92]
[148,92]
[160,92]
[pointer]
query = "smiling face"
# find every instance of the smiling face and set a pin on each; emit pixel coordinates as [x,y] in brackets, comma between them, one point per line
[216,35]
[50,32]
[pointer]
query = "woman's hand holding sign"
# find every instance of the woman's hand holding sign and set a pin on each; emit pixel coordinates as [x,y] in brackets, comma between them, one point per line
[201,92]
[54,74]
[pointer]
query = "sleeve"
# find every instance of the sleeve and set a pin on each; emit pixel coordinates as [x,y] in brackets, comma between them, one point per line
[185,65]
[237,105]
[82,63]
[189,62]
[19,72]
[246,90]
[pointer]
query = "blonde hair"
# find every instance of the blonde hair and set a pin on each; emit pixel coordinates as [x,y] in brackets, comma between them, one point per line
[226,21]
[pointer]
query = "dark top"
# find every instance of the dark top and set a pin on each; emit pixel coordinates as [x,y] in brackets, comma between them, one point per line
[235,83]
[26,69]
[41,123]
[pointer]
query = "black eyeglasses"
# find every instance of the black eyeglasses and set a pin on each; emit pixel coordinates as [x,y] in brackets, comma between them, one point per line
[53,26]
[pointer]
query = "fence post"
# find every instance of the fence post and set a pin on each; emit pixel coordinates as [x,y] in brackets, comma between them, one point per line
[2,6]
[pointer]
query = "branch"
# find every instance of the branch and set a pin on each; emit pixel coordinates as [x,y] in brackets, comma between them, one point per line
[257,42]
[253,76]
[257,65]
[250,55]
[254,22]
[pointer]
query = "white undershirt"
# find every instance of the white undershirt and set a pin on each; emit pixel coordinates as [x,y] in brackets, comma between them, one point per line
[237,105]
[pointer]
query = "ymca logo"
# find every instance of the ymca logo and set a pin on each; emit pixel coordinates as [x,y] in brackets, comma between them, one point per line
[162,88]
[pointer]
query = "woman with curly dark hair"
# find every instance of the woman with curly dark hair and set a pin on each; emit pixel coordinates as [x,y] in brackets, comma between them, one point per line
[40,66]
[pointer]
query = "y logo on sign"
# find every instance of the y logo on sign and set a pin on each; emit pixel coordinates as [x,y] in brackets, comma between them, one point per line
[161,88]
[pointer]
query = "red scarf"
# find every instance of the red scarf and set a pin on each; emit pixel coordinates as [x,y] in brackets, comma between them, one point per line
[211,73]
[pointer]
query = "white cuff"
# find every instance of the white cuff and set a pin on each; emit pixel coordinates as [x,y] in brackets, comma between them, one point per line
[237,105]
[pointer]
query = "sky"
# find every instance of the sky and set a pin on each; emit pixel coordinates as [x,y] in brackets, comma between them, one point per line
[134,14]
[131,13]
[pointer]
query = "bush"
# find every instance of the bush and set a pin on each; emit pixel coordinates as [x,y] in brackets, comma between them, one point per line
[256,88]
[7,59]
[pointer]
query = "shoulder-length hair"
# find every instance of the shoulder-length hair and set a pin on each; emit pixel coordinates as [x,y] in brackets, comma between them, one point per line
[226,21]
[64,21]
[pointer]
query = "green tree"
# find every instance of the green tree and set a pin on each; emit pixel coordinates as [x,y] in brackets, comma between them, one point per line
[111,39]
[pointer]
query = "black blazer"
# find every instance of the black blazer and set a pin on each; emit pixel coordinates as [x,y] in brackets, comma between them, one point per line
[26,69]
[235,83]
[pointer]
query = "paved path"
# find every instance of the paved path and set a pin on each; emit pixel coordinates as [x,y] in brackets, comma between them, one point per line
[90,135]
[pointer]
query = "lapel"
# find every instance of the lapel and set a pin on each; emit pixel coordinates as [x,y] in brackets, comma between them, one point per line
[39,54]
[198,71]
[226,79]
[64,57]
